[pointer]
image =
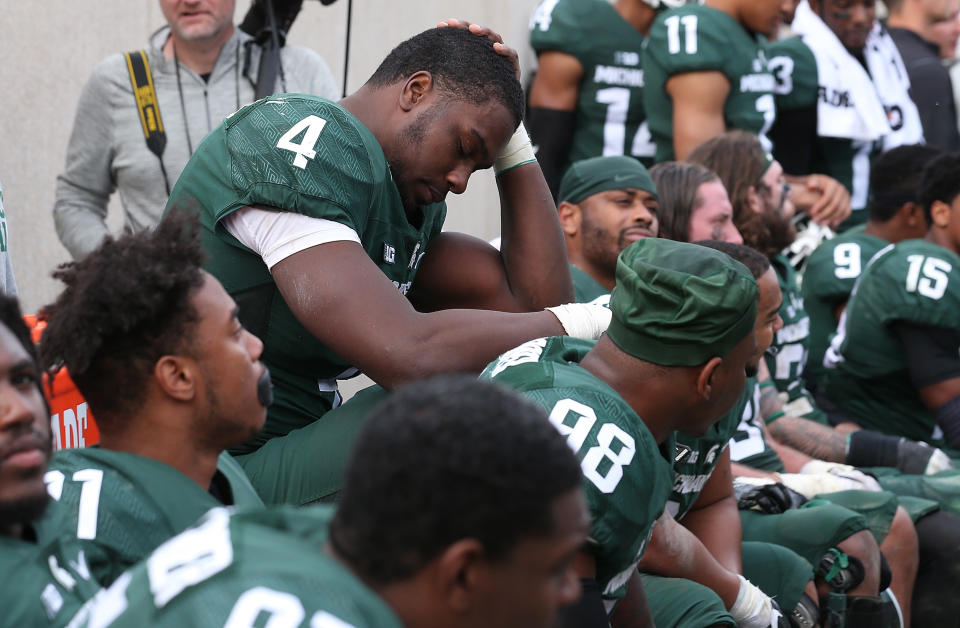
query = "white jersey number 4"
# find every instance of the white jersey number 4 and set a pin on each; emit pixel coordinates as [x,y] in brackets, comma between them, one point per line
[304,150]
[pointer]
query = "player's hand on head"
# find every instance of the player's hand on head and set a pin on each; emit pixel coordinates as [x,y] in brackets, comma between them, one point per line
[483,31]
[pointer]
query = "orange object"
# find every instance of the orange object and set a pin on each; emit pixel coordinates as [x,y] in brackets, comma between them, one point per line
[71,421]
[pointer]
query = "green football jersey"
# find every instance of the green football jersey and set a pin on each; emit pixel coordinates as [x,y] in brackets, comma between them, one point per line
[828,281]
[248,568]
[120,506]
[43,584]
[696,458]
[747,445]
[795,72]
[626,475]
[610,118]
[587,290]
[914,281]
[311,156]
[698,38]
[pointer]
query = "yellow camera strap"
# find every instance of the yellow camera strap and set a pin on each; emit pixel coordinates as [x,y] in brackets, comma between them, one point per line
[147,106]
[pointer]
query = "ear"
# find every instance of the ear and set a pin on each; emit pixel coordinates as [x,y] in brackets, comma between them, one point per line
[706,377]
[754,201]
[416,89]
[940,212]
[176,376]
[570,218]
[912,214]
[460,574]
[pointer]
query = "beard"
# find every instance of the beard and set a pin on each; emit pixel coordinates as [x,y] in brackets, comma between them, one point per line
[769,232]
[408,140]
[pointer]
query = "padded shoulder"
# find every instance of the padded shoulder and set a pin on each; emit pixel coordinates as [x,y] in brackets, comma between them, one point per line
[794,69]
[696,38]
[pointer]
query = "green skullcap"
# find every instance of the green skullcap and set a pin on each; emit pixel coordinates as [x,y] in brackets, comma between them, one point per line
[599,174]
[679,304]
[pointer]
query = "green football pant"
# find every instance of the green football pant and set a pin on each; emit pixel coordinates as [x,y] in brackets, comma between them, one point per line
[676,602]
[307,465]
[808,531]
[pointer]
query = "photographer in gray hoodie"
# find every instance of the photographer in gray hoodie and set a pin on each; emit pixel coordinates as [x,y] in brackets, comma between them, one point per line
[203,69]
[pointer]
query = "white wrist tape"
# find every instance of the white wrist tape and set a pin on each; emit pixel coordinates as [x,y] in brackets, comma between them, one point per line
[752,608]
[517,152]
[582,320]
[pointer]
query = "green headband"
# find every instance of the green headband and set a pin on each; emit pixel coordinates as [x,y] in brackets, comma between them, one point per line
[599,174]
[679,304]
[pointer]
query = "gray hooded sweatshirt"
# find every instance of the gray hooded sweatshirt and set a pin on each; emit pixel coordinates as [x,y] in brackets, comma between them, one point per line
[107,149]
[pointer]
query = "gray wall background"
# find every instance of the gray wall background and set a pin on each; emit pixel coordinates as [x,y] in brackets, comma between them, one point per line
[49,47]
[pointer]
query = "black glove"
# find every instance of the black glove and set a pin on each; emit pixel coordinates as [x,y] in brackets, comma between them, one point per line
[771,499]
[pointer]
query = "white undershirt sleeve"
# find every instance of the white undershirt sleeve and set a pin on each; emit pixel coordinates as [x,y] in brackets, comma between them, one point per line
[276,235]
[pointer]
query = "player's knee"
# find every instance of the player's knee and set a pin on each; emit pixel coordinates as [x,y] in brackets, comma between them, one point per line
[902,538]
[863,546]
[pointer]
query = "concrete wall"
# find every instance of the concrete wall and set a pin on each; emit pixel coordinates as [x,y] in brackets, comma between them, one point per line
[49,47]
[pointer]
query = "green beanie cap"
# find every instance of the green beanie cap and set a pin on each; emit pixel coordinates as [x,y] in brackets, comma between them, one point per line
[590,176]
[680,304]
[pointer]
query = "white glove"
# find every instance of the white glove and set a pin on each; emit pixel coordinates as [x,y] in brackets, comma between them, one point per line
[753,608]
[810,485]
[816,467]
[938,462]
[582,320]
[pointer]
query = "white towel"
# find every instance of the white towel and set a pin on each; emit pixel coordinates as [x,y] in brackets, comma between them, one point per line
[853,104]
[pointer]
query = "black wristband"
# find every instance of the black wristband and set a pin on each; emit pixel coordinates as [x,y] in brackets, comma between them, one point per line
[872,449]
[551,131]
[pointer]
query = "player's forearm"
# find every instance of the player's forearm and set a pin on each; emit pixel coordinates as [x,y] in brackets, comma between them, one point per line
[533,250]
[675,552]
[810,438]
[450,341]
[718,528]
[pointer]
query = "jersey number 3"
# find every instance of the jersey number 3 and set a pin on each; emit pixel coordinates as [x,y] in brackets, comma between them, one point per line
[304,150]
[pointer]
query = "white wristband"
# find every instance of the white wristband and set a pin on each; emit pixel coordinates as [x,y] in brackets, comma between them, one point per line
[582,320]
[752,609]
[517,152]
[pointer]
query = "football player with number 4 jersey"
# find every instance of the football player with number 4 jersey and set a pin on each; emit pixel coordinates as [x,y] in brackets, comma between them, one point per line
[42,583]
[415,540]
[153,343]
[324,221]
[895,361]
[586,99]
[674,358]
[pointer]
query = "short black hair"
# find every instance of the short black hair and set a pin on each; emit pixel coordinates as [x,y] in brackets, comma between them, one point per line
[124,306]
[447,459]
[755,262]
[895,178]
[12,318]
[940,182]
[461,63]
